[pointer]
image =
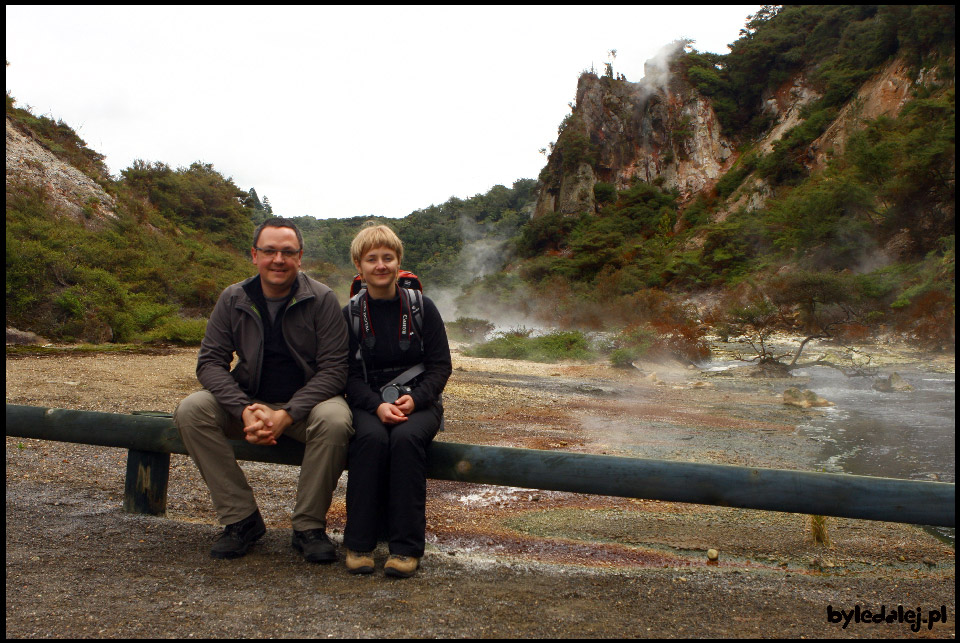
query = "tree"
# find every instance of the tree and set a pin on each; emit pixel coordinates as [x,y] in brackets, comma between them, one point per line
[823,305]
[253,201]
[268,210]
[756,319]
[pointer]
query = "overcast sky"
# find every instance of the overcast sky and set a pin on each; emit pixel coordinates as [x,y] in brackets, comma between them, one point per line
[336,111]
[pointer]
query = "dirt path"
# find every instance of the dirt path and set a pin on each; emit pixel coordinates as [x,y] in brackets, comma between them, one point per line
[501,562]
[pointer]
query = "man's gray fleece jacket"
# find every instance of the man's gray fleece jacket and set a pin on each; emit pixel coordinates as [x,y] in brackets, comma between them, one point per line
[313,328]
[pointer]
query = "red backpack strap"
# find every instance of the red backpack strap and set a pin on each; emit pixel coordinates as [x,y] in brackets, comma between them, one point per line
[356,285]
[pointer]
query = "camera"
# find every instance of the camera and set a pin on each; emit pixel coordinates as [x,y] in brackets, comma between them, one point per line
[393,392]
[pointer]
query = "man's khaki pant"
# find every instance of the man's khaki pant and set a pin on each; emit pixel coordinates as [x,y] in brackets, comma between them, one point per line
[205,427]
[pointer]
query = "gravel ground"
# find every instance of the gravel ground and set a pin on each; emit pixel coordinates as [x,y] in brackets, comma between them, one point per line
[501,562]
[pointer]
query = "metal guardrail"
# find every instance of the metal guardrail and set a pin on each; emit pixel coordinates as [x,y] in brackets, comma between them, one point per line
[150,439]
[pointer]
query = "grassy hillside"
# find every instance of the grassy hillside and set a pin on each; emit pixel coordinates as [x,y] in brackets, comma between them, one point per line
[152,274]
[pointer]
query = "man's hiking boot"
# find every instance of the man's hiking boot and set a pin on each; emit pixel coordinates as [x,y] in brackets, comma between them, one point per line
[359,562]
[237,537]
[401,566]
[314,545]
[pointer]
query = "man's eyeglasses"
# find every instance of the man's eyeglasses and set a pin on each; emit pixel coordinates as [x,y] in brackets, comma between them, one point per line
[270,252]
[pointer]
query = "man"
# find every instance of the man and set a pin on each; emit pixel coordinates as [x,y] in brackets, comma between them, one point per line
[291,342]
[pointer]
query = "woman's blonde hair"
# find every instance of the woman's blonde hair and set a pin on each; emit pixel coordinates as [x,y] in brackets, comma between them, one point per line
[375,236]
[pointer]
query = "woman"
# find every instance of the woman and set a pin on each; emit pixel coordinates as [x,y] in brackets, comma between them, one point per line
[387,455]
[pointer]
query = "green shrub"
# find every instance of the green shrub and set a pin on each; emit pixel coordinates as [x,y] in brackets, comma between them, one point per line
[197,196]
[547,232]
[469,329]
[575,148]
[184,332]
[631,344]
[560,345]
[698,212]
[604,192]
[706,79]
[147,314]
[70,304]
[623,357]
[509,345]
[552,347]
[538,269]
[735,176]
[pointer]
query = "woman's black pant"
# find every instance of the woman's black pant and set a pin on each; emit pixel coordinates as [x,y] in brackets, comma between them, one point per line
[387,466]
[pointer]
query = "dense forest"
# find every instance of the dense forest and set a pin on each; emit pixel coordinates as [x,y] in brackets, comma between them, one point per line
[813,259]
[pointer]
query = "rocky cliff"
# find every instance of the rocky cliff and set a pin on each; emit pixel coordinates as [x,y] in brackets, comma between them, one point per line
[660,130]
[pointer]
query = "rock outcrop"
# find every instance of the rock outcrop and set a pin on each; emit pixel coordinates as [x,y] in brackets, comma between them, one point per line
[660,130]
[17,337]
[892,384]
[73,193]
[804,399]
[784,107]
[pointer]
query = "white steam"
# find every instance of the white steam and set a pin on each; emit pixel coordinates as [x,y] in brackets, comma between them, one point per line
[657,72]
[484,253]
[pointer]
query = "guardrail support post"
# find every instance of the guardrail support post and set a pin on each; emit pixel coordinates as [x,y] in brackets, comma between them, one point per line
[145,489]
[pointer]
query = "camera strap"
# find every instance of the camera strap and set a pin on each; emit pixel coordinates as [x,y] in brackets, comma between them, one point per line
[405,328]
[407,375]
